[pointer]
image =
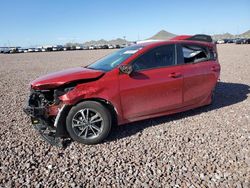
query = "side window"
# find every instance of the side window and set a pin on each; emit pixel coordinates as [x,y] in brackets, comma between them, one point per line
[158,57]
[143,62]
[194,54]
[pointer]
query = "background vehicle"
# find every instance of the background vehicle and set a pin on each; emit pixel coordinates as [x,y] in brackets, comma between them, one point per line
[38,49]
[110,46]
[220,41]
[57,48]
[117,46]
[138,82]
[21,50]
[79,48]
[240,41]
[5,50]
[43,49]
[92,47]
[105,47]
[228,41]
[31,50]
[66,48]
[9,50]
[14,50]
[247,41]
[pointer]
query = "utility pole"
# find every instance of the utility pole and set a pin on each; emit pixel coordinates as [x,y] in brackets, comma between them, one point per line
[124,37]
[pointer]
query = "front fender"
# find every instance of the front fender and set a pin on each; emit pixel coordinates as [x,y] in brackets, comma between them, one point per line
[81,92]
[108,91]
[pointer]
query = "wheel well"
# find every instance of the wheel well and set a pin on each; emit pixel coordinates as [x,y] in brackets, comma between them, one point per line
[61,130]
[107,104]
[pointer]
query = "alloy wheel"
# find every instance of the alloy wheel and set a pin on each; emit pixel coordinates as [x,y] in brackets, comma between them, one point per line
[87,123]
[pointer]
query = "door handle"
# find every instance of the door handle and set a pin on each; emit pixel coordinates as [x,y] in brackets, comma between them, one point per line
[174,75]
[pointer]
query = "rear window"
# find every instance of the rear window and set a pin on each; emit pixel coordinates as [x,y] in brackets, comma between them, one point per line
[194,54]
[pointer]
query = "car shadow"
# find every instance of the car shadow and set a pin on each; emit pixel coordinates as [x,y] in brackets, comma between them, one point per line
[226,94]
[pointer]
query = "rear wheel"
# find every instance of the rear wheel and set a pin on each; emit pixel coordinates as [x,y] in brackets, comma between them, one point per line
[88,122]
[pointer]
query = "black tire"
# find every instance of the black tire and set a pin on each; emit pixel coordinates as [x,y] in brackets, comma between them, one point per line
[80,114]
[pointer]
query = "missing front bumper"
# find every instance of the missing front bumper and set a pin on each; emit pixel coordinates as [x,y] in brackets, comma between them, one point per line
[34,111]
[47,118]
[54,132]
[47,132]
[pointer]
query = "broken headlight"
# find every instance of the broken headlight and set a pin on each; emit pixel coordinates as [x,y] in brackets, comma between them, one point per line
[60,92]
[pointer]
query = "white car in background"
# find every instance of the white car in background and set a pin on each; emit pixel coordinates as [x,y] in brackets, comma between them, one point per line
[79,48]
[31,50]
[22,50]
[220,42]
[38,49]
[111,46]
[54,48]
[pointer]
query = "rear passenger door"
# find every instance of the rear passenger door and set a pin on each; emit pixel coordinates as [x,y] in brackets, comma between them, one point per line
[198,78]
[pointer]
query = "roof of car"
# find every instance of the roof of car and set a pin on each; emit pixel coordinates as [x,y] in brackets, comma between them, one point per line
[159,43]
[195,39]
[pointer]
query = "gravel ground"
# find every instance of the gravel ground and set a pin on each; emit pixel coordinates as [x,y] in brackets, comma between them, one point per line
[205,147]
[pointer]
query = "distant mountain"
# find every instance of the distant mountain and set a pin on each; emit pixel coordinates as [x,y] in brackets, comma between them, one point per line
[118,41]
[162,35]
[165,35]
[223,36]
[230,36]
[246,34]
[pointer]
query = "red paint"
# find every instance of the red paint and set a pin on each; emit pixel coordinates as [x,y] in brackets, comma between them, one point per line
[143,94]
[181,37]
[150,91]
[53,110]
[56,79]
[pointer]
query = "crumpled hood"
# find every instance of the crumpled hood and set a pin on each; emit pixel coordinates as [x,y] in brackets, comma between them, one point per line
[59,78]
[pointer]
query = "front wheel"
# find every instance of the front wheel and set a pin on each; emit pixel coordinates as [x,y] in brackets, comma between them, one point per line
[88,122]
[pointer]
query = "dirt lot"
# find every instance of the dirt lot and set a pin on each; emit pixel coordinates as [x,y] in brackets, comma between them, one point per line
[207,147]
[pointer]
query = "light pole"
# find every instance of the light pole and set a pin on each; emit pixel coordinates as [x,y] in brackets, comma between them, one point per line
[124,37]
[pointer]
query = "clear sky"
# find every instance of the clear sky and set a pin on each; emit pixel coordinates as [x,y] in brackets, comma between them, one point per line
[40,22]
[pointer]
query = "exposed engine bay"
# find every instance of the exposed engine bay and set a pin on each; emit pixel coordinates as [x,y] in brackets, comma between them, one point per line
[45,110]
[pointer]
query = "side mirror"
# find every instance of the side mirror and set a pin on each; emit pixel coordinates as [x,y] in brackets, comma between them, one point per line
[126,69]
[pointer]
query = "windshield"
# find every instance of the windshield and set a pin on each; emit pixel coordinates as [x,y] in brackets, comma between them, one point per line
[113,60]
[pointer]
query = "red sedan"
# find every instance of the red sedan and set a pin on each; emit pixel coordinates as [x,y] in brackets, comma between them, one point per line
[138,82]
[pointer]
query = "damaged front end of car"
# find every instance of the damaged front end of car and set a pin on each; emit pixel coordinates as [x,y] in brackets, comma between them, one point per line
[47,105]
[47,112]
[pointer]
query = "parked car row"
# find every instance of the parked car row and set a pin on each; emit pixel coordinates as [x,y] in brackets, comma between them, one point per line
[236,41]
[243,41]
[10,50]
[93,47]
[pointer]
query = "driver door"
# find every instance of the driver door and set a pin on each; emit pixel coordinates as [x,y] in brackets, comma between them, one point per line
[155,85]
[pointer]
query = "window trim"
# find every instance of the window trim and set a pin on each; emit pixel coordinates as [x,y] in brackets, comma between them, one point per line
[150,50]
